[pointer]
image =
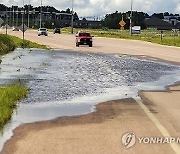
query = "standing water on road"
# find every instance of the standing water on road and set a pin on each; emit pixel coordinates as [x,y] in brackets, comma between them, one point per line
[66,83]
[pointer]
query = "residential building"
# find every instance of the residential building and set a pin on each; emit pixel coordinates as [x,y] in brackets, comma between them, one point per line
[158,24]
[173,20]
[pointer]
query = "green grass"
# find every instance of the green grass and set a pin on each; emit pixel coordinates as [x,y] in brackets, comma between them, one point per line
[6,44]
[169,38]
[9,96]
[9,43]
[27,44]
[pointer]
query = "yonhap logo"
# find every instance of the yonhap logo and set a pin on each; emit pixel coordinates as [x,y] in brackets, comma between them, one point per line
[128,140]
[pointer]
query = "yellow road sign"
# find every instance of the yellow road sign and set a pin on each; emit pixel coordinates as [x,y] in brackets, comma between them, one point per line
[122,23]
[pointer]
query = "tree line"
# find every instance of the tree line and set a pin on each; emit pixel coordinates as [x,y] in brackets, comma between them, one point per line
[112,20]
[45,9]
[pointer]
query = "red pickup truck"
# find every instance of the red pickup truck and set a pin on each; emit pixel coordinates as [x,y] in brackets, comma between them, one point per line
[84,38]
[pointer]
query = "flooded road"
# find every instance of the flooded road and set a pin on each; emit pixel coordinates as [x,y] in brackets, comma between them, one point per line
[66,83]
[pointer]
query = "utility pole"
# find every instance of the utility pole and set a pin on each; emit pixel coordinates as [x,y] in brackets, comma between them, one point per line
[10,18]
[22,13]
[17,15]
[34,16]
[6,20]
[130,28]
[28,12]
[41,15]
[23,23]
[72,17]
[13,15]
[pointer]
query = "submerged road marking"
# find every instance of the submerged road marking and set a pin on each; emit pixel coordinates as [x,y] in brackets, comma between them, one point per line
[162,129]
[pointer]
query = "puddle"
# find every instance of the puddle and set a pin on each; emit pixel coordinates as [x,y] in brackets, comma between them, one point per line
[66,83]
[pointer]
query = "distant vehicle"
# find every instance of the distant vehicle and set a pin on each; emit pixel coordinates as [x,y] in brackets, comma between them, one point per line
[136,30]
[15,28]
[42,31]
[3,27]
[57,30]
[84,38]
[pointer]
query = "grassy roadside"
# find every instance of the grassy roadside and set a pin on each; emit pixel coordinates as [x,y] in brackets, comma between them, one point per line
[9,96]
[27,44]
[8,43]
[169,38]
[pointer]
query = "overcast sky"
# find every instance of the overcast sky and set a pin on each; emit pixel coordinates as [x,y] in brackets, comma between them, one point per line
[102,7]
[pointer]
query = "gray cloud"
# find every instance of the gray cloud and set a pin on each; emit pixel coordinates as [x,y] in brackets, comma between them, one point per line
[102,7]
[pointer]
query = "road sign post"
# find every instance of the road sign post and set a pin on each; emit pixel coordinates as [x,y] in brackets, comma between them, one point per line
[1,21]
[6,28]
[122,24]
[23,28]
[161,34]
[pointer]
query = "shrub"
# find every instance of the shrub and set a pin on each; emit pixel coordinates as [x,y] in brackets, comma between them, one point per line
[6,44]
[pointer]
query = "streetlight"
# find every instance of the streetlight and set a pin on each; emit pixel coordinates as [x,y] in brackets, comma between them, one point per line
[22,12]
[72,17]
[130,28]
[28,12]
[13,14]
[10,22]
[23,9]
[41,15]
[6,19]
[17,14]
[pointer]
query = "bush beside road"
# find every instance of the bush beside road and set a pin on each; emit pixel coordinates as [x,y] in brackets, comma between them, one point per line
[6,44]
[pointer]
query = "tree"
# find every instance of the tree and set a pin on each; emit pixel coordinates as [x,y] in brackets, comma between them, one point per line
[112,20]
[166,14]
[76,16]
[68,11]
[3,7]
[158,15]
[28,7]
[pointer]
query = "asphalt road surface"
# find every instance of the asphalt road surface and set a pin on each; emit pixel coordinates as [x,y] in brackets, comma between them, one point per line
[105,45]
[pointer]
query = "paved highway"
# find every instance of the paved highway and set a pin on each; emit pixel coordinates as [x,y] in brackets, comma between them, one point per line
[106,45]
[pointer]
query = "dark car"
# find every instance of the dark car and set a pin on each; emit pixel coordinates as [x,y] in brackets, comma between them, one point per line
[57,30]
[15,28]
[84,38]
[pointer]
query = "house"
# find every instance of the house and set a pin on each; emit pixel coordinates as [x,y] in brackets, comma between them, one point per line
[177,26]
[87,24]
[173,20]
[158,24]
[77,23]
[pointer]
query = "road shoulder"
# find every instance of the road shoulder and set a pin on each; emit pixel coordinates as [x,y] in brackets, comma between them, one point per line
[97,132]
